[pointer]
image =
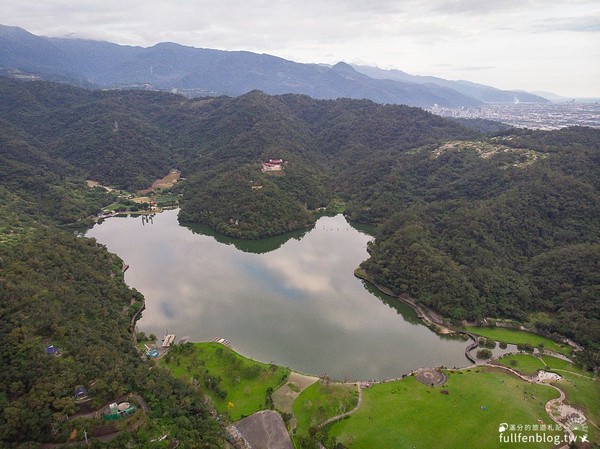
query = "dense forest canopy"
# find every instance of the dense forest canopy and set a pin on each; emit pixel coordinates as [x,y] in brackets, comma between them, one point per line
[470,225]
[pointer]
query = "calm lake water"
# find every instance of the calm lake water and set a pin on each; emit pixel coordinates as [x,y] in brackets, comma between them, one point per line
[292,300]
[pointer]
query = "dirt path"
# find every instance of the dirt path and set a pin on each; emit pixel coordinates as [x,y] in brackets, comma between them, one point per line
[345,415]
[96,414]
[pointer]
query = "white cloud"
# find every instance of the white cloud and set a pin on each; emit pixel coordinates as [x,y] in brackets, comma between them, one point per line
[513,37]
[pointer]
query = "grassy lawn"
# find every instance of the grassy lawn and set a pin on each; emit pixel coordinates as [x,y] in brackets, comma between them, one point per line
[407,414]
[523,363]
[166,199]
[237,385]
[320,402]
[515,336]
[114,206]
[558,365]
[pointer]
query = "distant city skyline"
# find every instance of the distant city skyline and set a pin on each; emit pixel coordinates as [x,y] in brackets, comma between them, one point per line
[534,45]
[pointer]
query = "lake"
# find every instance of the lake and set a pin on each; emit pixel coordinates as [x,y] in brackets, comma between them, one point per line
[292,300]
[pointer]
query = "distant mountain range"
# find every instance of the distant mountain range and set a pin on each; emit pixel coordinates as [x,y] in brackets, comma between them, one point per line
[485,94]
[201,72]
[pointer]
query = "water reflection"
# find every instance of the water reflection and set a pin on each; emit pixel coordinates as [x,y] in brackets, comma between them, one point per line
[292,300]
[248,246]
[408,313]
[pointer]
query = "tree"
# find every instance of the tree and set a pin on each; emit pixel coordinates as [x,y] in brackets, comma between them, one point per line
[484,354]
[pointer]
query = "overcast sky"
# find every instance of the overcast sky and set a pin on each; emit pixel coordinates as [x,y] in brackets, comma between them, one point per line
[549,45]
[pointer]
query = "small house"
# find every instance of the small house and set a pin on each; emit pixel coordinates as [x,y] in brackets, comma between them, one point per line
[152,352]
[80,393]
[273,165]
[52,350]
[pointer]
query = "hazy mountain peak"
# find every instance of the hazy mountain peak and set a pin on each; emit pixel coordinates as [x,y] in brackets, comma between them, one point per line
[344,68]
[12,31]
[170,45]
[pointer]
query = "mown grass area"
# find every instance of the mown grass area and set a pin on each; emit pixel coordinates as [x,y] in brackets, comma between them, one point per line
[237,385]
[166,199]
[408,414]
[321,401]
[516,337]
[524,363]
[558,365]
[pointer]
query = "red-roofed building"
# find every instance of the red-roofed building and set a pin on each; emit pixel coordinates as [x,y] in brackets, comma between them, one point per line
[273,165]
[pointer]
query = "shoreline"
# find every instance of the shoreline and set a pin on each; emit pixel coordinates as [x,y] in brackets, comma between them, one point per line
[431,319]
[436,323]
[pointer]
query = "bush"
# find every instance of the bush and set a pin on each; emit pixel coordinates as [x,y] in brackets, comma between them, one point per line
[486,343]
[489,343]
[484,354]
[527,347]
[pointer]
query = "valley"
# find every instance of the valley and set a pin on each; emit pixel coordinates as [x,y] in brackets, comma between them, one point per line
[473,234]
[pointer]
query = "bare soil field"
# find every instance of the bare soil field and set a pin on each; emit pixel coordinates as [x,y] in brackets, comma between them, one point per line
[141,199]
[166,182]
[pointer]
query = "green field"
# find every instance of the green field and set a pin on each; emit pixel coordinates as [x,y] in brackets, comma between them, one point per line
[320,402]
[167,199]
[237,385]
[524,363]
[515,336]
[407,414]
[558,365]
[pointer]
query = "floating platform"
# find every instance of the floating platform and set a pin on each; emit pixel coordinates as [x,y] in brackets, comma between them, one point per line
[168,340]
[222,341]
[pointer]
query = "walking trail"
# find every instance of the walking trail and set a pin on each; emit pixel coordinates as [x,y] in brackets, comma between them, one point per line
[553,404]
[345,415]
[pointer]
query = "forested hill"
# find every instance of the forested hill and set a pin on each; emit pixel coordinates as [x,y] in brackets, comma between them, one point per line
[129,138]
[502,228]
[472,226]
[61,290]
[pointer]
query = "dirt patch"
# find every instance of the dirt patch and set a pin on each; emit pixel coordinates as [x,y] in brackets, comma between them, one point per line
[430,376]
[168,181]
[265,429]
[93,184]
[101,431]
[543,376]
[141,199]
[284,396]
